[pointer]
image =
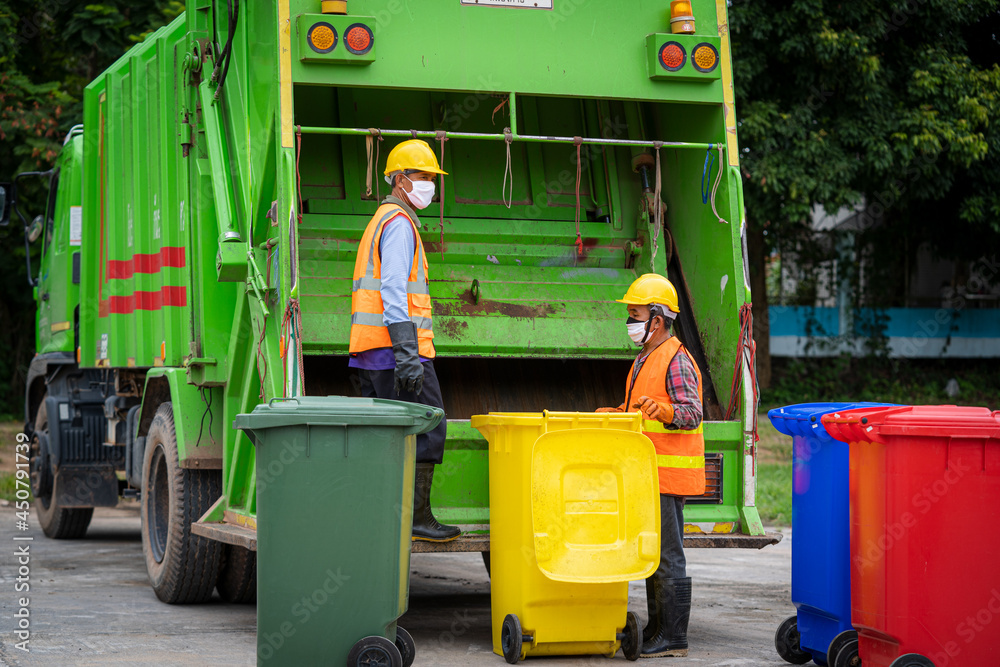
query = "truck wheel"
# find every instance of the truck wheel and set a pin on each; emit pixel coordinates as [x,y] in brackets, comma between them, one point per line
[60,523]
[182,567]
[238,578]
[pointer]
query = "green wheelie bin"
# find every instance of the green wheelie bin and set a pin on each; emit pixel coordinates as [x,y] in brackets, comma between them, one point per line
[334,516]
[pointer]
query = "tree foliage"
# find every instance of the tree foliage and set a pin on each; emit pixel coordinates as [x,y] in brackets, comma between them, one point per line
[885,106]
[51,51]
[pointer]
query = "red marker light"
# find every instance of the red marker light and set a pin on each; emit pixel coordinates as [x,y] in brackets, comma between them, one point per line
[672,56]
[359,39]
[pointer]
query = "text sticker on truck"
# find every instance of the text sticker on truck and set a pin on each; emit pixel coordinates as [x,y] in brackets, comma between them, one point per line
[75,225]
[521,4]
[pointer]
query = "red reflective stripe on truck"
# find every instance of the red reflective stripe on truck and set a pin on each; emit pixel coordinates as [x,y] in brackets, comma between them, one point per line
[166,296]
[146,262]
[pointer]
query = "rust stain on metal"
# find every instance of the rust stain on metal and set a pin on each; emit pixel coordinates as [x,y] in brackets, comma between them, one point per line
[588,245]
[453,328]
[468,307]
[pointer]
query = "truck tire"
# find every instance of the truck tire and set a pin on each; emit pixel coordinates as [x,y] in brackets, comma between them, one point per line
[57,522]
[238,579]
[182,567]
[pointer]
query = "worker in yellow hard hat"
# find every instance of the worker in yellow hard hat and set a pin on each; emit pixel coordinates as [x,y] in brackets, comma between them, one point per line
[665,385]
[392,336]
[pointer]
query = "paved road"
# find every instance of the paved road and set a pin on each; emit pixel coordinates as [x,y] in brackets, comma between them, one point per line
[90,604]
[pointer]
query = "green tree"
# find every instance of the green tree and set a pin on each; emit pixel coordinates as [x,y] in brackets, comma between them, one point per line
[883,103]
[51,51]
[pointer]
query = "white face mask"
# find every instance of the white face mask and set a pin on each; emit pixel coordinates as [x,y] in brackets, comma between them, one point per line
[637,330]
[421,194]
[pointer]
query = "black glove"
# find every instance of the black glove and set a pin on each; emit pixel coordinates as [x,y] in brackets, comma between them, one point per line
[409,374]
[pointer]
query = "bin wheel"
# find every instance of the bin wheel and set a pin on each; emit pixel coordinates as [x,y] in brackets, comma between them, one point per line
[404,642]
[511,639]
[843,651]
[632,641]
[786,641]
[912,660]
[374,651]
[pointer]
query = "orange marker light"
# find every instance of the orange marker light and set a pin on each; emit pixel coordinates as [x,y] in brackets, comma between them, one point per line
[704,57]
[322,37]
[672,56]
[681,17]
[163,350]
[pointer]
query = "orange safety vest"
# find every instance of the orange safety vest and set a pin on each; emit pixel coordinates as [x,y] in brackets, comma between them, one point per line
[680,455]
[367,329]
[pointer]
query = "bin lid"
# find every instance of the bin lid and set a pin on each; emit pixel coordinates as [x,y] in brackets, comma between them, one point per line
[594,505]
[340,411]
[881,424]
[551,420]
[803,419]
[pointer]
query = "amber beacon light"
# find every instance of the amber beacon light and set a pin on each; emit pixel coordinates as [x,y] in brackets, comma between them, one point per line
[333,6]
[681,17]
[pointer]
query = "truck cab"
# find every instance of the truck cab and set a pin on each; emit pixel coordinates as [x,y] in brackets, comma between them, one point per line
[71,470]
[57,280]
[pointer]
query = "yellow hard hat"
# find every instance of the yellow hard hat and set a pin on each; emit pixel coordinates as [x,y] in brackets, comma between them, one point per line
[412,154]
[651,288]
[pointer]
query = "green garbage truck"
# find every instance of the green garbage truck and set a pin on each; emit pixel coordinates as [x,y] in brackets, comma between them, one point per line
[201,229]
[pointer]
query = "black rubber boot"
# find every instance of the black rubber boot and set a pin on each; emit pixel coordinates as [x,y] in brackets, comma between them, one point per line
[425,526]
[653,609]
[673,597]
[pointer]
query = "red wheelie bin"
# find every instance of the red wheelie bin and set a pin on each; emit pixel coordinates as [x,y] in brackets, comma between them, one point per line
[925,507]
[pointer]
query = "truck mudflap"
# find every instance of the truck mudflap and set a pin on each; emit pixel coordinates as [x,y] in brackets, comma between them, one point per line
[87,486]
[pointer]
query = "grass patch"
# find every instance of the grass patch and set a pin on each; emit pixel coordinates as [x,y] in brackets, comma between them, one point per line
[774,474]
[904,381]
[774,493]
[8,487]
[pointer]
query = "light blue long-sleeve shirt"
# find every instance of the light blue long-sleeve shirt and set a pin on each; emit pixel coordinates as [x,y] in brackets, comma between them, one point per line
[397,248]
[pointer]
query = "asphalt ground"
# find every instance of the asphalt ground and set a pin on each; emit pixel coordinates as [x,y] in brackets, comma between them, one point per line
[90,604]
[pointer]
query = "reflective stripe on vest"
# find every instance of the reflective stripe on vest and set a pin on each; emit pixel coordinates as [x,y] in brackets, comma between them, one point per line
[368,330]
[666,461]
[653,426]
[375,320]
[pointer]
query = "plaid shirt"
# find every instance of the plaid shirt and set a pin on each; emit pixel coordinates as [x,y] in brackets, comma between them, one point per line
[682,388]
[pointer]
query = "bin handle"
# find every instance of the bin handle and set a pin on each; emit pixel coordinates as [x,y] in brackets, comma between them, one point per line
[421,421]
[285,398]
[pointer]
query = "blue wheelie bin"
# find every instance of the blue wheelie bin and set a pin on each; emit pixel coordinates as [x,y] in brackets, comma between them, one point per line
[821,540]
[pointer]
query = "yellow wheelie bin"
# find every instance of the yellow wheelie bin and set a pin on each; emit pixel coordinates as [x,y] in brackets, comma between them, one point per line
[574,516]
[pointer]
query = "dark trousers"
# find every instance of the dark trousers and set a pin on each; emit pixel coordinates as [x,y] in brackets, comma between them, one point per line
[673,565]
[379,384]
